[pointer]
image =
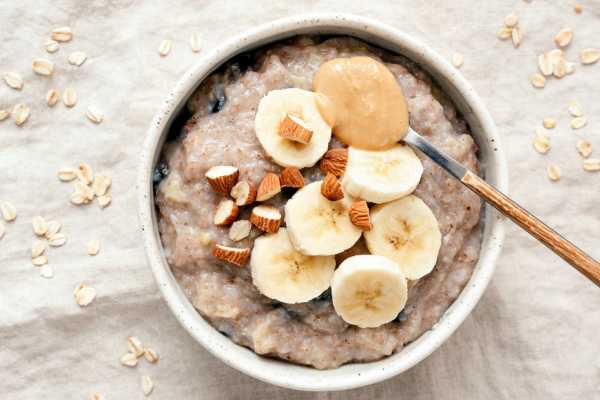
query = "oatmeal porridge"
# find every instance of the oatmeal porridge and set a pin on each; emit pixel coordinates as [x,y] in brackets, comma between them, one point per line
[235,203]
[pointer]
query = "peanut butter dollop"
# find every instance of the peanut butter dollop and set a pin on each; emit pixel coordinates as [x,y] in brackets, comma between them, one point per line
[362,101]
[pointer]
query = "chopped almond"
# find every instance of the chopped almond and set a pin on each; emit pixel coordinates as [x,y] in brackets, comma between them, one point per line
[240,230]
[266,218]
[334,162]
[244,193]
[268,187]
[359,215]
[294,129]
[222,178]
[331,188]
[291,177]
[232,255]
[227,212]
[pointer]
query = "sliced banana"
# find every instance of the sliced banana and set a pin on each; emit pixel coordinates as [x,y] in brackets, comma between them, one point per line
[407,232]
[281,273]
[368,291]
[273,110]
[318,226]
[382,176]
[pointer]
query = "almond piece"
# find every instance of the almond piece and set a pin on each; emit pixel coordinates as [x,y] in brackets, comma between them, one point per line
[266,218]
[222,178]
[291,177]
[331,188]
[240,230]
[294,129]
[334,162]
[268,187]
[232,255]
[244,193]
[359,215]
[227,211]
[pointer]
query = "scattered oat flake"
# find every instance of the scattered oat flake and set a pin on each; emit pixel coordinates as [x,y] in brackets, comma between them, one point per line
[537,80]
[150,355]
[195,42]
[101,184]
[129,360]
[555,55]
[94,115]
[39,225]
[37,249]
[549,123]
[66,174]
[53,228]
[85,174]
[516,36]
[46,271]
[578,8]
[41,66]
[51,46]
[93,247]
[97,396]
[563,37]
[84,295]
[569,67]
[39,261]
[13,80]
[9,212]
[85,191]
[164,48]
[541,142]
[575,108]
[560,68]
[545,64]
[69,97]
[590,55]
[135,346]
[578,122]
[457,60]
[511,20]
[62,34]
[52,97]
[591,164]
[21,113]
[105,200]
[504,33]
[77,58]
[4,114]
[553,172]
[147,385]
[77,198]
[584,148]
[57,240]
[2,230]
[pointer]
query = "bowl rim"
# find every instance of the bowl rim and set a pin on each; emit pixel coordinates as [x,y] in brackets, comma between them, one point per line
[277,372]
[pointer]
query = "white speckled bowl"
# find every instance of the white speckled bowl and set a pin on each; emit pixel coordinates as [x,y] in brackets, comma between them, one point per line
[351,375]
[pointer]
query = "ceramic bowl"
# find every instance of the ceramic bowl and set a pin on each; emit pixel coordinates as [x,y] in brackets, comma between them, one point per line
[493,165]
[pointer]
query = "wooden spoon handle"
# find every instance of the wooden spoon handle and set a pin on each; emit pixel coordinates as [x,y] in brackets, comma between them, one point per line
[561,246]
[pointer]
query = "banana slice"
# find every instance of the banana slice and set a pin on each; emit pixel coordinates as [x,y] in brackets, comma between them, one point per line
[368,291]
[318,226]
[281,273]
[407,232]
[300,104]
[382,176]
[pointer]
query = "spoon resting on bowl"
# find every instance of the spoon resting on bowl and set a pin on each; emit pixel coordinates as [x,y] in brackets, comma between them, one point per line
[532,225]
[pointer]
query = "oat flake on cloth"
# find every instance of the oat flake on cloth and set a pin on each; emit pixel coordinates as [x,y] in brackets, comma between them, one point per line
[534,333]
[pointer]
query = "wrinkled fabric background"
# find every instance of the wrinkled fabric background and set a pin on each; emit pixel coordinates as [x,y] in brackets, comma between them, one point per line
[533,335]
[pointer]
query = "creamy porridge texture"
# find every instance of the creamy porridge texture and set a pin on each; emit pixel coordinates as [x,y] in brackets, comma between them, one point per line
[222,132]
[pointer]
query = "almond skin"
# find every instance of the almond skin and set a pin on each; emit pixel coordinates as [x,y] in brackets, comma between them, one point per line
[334,162]
[268,187]
[222,178]
[331,188]
[227,211]
[291,177]
[266,218]
[244,193]
[294,129]
[359,215]
[233,255]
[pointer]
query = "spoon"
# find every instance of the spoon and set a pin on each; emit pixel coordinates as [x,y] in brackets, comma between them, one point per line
[581,261]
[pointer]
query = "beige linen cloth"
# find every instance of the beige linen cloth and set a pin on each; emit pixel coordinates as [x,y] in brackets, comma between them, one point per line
[533,335]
